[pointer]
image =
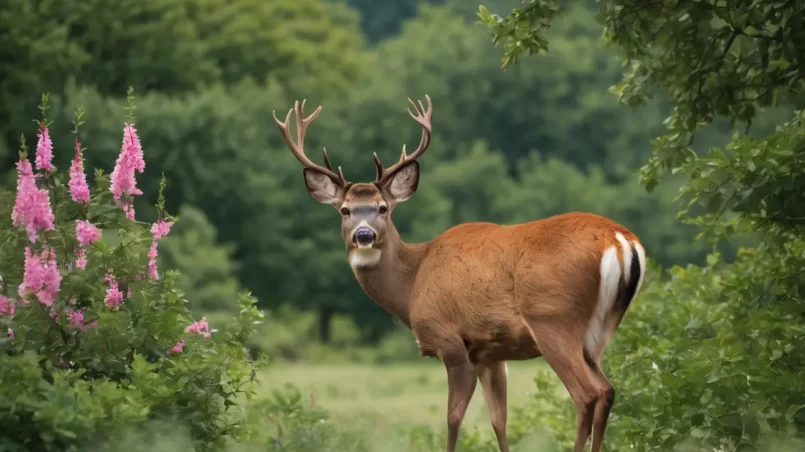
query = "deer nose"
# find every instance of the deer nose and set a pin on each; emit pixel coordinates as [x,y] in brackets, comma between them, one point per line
[364,236]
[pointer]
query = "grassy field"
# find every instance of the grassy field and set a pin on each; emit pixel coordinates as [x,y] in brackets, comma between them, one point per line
[396,393]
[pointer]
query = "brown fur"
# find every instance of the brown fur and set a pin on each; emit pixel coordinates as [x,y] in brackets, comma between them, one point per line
[481,294]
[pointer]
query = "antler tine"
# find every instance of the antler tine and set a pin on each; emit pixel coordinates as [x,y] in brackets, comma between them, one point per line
[378,166]
[343,180]
[326,160]
[297,147]
[422,117]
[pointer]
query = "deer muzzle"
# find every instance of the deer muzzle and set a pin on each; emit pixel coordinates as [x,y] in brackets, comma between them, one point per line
[364,236]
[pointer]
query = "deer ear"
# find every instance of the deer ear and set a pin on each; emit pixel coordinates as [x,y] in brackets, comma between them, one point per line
[404,182]
[322,188]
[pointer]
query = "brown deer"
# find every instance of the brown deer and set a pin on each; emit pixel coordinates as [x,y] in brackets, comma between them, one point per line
[481,294]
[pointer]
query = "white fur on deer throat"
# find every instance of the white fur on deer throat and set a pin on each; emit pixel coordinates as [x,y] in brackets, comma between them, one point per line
[364,257]
[611,272]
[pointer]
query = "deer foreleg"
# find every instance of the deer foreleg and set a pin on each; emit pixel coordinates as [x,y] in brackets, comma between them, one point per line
[493,381]
[461,381]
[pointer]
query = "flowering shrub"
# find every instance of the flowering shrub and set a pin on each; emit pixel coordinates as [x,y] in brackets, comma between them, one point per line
[95,340]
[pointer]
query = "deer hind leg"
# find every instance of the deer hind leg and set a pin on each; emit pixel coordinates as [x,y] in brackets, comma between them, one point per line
[493,381]
[563,349]
[461,382]
[620,282]
[604,404]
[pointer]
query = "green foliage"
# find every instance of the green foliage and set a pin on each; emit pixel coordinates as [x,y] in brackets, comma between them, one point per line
[557,106]
[311,46]
[523,30]
[31,33]
[381,20]
[735,62]
[207,269]
[70,382]
[298,426]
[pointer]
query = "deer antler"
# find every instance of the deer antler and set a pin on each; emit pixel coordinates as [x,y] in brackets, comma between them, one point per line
[298,147]
[423,117]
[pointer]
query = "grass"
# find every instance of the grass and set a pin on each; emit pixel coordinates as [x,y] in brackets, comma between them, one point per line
[403,393]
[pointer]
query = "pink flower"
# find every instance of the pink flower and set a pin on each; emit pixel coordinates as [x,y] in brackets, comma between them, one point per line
[86,232]
[33,277]
[177,348]
[41,276]
[44,150]
[10,333]
[158,230]
[114,297]
[52,280]
[6,306]
[128,209]
[152,263]
[79,190]
[76,319]
[161,228]
[25,185]
[130,160]
[81,258]
[32,206]
[200,327]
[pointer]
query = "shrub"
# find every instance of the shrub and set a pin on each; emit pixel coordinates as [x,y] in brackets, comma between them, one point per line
[100,342]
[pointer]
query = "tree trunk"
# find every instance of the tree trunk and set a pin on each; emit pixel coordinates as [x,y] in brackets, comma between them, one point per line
[325,316]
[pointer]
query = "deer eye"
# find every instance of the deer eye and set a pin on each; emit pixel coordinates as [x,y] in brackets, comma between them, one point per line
[383,209]
[344,211]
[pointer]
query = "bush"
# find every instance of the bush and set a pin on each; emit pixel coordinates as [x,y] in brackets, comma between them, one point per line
[100,342]
[208,270]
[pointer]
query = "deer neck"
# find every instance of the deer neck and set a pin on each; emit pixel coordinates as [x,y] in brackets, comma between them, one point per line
[388,280]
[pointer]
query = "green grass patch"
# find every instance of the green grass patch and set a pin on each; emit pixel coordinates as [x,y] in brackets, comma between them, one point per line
[399,393]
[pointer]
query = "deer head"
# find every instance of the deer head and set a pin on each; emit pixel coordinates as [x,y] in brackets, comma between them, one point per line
[365,208]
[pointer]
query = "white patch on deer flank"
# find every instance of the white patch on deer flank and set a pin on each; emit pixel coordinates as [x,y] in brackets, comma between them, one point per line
[608,290]
[641,257]
[627,255]
[364,257]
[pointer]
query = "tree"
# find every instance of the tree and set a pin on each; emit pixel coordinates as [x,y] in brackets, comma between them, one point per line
[313,48]
[556,106]
[380,20]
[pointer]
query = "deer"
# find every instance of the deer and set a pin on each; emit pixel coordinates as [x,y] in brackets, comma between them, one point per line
[481,294]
